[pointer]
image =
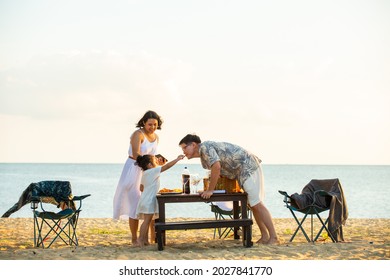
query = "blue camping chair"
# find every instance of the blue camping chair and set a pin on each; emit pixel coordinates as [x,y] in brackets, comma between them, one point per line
[50,226]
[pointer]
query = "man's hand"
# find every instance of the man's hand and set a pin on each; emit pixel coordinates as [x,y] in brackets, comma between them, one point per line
[206,194]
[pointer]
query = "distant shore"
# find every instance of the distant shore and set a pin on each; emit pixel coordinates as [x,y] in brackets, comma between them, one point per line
[108,239]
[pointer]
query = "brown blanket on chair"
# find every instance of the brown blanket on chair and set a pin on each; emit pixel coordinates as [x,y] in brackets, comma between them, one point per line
[338,211]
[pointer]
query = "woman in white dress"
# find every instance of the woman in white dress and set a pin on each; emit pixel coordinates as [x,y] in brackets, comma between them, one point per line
[143,141]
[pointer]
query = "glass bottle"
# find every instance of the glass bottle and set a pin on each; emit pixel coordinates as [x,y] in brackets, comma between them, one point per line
[185,176]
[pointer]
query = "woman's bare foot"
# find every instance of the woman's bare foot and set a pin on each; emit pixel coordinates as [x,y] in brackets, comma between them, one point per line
[138,243]
[141,243]
[273,240]
[263,240]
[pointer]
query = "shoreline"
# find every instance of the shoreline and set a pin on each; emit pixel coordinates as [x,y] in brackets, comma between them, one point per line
[108,239]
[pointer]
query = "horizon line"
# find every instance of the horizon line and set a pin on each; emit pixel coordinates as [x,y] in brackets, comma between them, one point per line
[198,163]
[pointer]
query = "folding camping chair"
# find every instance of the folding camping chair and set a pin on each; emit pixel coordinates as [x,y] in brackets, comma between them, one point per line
[224,211]
[308,210]
[319,196]
[50,226]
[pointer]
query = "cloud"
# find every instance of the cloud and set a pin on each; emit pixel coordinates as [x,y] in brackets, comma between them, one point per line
[92,84]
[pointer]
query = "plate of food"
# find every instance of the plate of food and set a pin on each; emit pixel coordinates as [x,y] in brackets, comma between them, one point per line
[170,191]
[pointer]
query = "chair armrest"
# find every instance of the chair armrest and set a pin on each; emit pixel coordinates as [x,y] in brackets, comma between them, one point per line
[321,193]
[287,198]
[283,193]
[81,197]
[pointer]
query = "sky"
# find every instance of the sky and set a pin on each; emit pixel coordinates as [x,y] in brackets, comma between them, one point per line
[295,82]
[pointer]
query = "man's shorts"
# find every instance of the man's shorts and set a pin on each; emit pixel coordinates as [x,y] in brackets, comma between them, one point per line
[254,186]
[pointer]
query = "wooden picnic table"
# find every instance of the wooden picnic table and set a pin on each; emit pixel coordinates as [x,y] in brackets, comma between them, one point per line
[240,216]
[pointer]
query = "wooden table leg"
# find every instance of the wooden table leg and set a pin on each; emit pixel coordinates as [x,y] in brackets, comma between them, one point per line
[236,215]
[160,243]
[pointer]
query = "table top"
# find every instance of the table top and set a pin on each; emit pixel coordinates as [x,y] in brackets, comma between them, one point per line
[172,198]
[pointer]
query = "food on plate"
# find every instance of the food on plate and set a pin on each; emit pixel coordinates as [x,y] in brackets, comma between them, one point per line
[165,190]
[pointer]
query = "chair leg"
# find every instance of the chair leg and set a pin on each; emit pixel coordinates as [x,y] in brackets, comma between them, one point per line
[228,230]
[215,229]
[311,229]
[222,233]
[299,227]
[38,240]
[35,230]
[41,238]
[55,227]
[58,231]
[73,225]
[324,226]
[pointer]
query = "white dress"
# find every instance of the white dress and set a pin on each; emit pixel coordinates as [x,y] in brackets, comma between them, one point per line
[127,193]
[148,201]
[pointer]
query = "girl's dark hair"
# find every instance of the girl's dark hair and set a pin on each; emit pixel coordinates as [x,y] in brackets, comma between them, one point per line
[150,115]
[189,138]
[143,161]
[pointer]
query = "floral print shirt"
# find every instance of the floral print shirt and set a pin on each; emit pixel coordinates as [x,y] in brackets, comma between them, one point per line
[236,162]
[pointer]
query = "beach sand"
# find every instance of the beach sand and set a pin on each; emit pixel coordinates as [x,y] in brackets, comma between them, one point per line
[108,239]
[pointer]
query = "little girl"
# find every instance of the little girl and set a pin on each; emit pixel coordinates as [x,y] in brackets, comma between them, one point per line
[147,208]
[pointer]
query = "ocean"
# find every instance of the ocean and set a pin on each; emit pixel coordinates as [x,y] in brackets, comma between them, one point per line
[366,187]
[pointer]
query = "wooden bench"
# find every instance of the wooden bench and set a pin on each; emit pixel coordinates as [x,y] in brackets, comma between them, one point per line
[246,224]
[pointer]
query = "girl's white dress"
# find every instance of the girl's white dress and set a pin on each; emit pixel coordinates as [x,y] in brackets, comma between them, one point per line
[148,201]
[127,193]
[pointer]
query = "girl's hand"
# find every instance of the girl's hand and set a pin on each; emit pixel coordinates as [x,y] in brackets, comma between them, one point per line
[180,157]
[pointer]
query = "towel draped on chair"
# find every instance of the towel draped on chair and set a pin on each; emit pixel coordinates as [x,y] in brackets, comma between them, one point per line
[334,200]
[54,191]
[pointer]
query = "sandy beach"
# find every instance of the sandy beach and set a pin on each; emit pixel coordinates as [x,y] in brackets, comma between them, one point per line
[108,239]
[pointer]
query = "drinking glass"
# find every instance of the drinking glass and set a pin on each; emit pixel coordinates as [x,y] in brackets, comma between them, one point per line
[195,179]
